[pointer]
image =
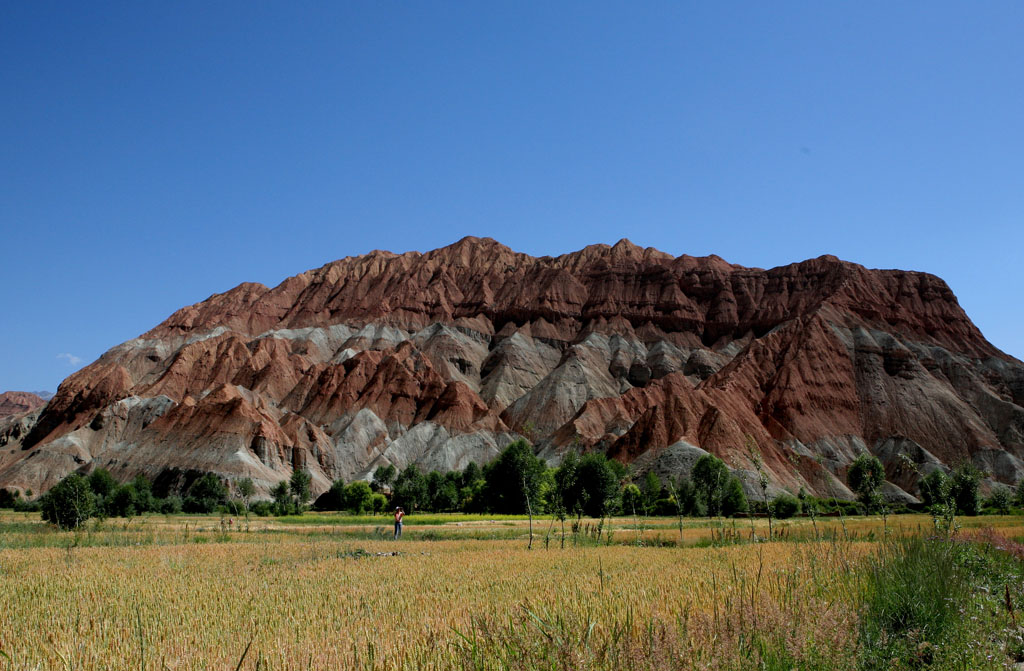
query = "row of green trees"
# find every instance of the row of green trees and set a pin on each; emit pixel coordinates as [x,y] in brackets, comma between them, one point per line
[958,492]
[516,482]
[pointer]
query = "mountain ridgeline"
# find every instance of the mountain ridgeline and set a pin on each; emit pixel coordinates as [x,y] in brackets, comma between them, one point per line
[445,357]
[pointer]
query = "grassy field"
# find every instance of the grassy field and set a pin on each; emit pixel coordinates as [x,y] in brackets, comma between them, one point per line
[333,592]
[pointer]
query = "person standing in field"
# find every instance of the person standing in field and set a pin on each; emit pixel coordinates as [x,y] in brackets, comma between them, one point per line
[399,514]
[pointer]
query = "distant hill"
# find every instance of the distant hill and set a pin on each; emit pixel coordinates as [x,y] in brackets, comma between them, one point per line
[17,402]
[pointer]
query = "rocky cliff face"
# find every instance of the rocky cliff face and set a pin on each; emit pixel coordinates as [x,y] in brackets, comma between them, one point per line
[443,358]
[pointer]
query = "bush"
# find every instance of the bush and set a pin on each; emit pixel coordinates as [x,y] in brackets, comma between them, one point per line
[70,503]
[262,508]
[172,505]
[785,505]
[379,501]
[26,506]
[914,585]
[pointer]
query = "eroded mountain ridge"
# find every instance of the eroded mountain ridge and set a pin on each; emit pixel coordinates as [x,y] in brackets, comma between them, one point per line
[443,358]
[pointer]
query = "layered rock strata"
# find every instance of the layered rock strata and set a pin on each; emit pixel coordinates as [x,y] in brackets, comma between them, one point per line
[442,358]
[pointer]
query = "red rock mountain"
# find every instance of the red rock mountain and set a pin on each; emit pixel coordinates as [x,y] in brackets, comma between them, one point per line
[442,358]
[17,402]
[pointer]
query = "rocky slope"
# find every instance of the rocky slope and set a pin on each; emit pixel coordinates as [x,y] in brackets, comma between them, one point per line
[17,402]
[442,358]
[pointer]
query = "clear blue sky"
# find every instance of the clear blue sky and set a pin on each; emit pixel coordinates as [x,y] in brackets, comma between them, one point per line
[152,154]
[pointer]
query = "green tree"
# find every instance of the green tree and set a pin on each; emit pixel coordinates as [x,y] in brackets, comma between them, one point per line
[333,498]
[358,497]
[734,499]
[379,502]
[598,484]
[102,483]
[1001,499]
[471,474]
[205,494]
[514,479]
[965,489]
[298,485]
[384,477]
[282,498]
[246,488]
[1019,495]
[567,496]
[142,490]
[935,488]
[410,490]
[633,502]
[445,495]
[652,491]
[865,476]
[69,503]
[121,502]
[710,477]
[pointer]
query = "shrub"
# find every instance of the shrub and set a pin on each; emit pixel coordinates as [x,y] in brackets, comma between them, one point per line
[666,507]
[262,508]
[172,505]
[70,503]
[914,585]
[26,506]
[379,501]
[785,506]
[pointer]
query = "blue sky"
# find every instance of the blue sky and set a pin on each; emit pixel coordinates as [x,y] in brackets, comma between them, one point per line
[156,153]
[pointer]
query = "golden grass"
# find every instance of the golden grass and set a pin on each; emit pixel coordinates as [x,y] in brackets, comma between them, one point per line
[320,605]
[176,593]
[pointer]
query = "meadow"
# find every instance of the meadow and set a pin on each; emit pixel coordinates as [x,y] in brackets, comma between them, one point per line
[328,591]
